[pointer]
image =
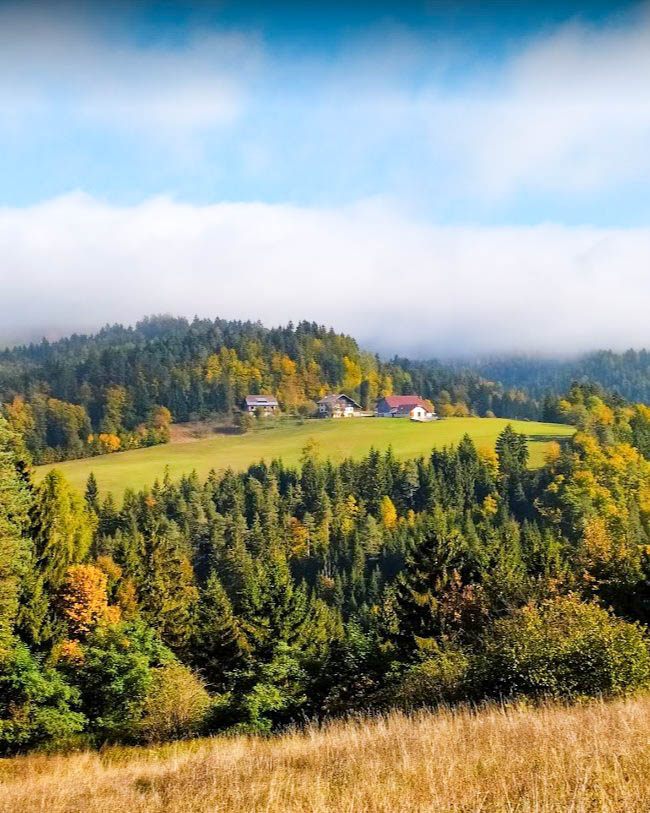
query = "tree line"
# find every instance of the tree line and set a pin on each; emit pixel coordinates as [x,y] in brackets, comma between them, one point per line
[627,374]
[254,600]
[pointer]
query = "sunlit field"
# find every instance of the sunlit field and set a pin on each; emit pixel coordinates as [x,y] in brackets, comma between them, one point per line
[583,758]
[337,439]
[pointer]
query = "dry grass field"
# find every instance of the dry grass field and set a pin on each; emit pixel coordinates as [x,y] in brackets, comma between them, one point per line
[577,759]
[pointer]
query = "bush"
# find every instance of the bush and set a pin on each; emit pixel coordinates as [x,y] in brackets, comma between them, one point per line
[268,695]
[115,676]
[307,409]
[441,678]
[176,704]
[36,704]
[563,648]
[244,421]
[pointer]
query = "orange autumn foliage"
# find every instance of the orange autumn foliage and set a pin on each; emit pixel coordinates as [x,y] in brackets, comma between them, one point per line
[84,599]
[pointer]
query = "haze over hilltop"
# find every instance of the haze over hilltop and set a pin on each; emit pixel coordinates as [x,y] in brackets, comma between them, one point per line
[432,178]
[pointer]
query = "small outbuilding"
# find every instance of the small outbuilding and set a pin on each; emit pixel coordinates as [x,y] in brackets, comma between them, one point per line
[338,406]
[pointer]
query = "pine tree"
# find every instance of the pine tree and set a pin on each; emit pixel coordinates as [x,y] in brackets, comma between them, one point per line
[219,643]
[431,567]
[167,589]
[281,609]
[91,494]
[512,451]
[15,501]
[62,528]
[109,518]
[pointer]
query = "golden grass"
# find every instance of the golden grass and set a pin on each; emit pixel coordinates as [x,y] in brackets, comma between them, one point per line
[584,758]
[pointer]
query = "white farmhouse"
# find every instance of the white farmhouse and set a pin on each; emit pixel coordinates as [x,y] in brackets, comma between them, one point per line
[338,406]
[405,406]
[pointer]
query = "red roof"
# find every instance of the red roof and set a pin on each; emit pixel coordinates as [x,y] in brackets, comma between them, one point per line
[396,401]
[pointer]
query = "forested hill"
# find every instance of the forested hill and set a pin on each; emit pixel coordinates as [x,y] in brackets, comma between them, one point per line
[120,388]
[627,374]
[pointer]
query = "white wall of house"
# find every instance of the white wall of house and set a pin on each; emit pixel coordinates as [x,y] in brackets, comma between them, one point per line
[268,409]
[419,413]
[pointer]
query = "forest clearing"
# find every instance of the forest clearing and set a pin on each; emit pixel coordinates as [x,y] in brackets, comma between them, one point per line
[335,439]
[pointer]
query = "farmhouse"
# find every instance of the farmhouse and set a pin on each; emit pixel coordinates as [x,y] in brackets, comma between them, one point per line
[337,406]
[404,406]
[267,404]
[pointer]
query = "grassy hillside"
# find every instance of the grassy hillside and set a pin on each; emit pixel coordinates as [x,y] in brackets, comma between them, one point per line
[547,760]
[337,439]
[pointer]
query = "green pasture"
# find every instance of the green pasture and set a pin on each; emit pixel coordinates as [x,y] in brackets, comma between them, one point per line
[336,439]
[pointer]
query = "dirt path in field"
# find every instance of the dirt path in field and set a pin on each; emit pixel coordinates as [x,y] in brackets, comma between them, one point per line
[188,432]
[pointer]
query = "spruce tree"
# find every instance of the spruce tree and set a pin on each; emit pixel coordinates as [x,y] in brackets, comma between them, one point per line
[219,643]
[15,501]
[167,589]
[62,527]
[91,494]
[432,566]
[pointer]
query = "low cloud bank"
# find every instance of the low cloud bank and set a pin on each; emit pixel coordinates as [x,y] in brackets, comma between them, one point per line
[397,285]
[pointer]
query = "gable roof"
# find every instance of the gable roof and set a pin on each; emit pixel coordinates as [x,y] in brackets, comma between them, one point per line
[261,400]
[401,401]
[331,400]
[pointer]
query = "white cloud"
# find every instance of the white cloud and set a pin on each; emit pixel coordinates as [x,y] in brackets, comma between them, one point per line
[54,63]
[565,112]
[570,112]
[397,285]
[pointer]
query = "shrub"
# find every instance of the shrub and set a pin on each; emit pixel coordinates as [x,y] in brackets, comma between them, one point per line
[563,648]
[176,704]
[244,421]
[441,678]
[36,704]
[115,679]
[268,695]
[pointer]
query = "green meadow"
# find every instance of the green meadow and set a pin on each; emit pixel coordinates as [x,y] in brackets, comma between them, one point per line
[336,439]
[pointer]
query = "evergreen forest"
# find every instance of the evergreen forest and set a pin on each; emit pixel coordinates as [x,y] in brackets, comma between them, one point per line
[254,601]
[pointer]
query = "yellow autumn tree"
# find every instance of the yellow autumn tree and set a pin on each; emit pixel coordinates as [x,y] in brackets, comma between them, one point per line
[84,599]
[489,506]
[212,368]
[108,442]
[115,403]
[349,514]
[288,389]
[489,456]
[313,380]
[553,452]
[298,538]
[20,415]
[386,386]
[70,652]
[161,417]
[351,374]
[388,513]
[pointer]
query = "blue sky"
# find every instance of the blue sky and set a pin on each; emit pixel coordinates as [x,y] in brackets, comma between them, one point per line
[295,103]
[469,122]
